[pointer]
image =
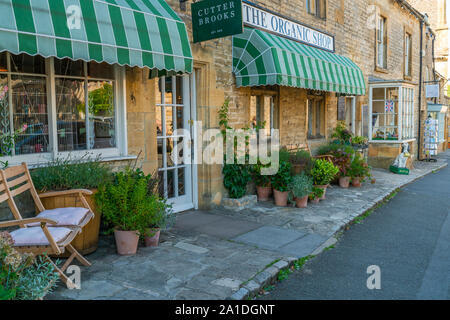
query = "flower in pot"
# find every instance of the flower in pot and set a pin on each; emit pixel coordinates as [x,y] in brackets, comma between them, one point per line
[323,173]
[301,187]
[262,181]
[126,207]
[315,194]
[359,170]
[281,182]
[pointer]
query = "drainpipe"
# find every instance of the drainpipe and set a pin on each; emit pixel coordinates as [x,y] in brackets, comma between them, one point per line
[420,89]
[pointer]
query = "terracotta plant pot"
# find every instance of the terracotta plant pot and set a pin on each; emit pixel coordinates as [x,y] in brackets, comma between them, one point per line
[152,241]
[281,198]
[263,193]
[356,182]
[298,168]
[126,242]
[324,188]
[315,201]
[344,182]
[301,202]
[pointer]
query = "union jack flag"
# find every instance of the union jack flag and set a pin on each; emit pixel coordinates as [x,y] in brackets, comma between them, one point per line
[389,106]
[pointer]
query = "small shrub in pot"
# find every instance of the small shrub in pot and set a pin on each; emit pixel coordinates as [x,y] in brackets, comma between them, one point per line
[323,173]
[301,187]
[281,182]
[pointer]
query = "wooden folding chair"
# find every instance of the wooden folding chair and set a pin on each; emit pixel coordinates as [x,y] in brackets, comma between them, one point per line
[19,179]
[34,236]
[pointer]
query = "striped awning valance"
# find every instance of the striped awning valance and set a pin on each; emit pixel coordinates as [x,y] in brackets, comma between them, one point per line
[261,58]
[143,33]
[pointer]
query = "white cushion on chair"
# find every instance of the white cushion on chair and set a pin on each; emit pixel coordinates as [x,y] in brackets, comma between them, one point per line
[63,216]
[35,236]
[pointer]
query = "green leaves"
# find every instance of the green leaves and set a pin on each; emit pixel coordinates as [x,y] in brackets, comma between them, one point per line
[235,179]
[301,186]
[323,172]
[67,173]
[129,202]
[282,179]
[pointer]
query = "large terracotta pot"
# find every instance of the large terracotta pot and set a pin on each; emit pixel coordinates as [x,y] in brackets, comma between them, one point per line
[301,202]
[263,193]
[85,242]
[153,239]
[281,197]
[126,242]
[356,182]
[344,182]
[324,188]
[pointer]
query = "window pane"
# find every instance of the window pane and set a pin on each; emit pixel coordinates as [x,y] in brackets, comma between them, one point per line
[70,114]
[169,90]
[5,128]
[102,133]
[67,67]
[179,90]
[29,100]
[24,63]
[100,70]
[3,64]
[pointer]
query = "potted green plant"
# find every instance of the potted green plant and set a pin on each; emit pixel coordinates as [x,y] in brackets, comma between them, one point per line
[126,207]
[315,194]
[281,182]
[342,160]
[262,181]
[301,187]
[69,173]
[300,160]
[359,170]
[323,173]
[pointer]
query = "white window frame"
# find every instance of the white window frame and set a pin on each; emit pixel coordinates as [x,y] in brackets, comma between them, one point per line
[107,154]
[406,108]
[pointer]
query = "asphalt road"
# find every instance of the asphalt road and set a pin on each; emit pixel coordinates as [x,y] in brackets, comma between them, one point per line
[408,239]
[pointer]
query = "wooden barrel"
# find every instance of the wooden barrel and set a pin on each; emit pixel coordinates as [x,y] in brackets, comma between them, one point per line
[87,241]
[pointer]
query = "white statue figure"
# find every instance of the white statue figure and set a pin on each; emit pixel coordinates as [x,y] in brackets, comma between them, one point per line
[400,161]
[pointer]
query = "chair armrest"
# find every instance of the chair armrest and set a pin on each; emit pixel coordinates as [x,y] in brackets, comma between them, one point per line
[73,192]
[12,223]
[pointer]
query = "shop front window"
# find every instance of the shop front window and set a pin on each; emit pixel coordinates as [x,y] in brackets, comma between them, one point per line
[23,103]
[85,106]
[83,116]
[392,113]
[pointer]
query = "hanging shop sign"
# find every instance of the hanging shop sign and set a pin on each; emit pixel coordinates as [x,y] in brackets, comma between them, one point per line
[256,16]
[432,90]
[212,19]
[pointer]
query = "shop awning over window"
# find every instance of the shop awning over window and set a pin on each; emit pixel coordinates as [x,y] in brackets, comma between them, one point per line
[261,58]
[127,32]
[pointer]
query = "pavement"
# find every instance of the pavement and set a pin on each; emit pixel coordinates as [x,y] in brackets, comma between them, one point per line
[408,239]
[221,254]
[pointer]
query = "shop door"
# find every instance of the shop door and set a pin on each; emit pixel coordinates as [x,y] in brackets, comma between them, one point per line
[173,113]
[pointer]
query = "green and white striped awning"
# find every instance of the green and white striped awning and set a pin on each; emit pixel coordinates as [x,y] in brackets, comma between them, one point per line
[143,33]
[261,58]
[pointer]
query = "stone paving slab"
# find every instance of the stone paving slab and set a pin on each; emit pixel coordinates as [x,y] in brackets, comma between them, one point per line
[271,238]
[192,262]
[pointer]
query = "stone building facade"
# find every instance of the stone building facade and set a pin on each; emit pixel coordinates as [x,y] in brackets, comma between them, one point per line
[303,116]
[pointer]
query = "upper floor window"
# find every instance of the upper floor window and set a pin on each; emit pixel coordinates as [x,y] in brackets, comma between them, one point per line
[408,55]
[317,8]
[381,43]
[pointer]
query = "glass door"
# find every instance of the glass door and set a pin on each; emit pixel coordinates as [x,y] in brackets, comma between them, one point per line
[173,114]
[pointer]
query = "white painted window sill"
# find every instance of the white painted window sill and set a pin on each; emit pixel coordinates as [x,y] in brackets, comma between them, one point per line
[392,141]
